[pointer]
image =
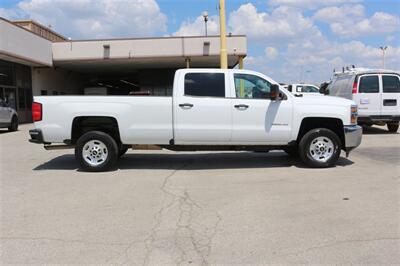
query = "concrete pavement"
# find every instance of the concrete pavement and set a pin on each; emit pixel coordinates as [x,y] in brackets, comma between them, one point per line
[163,207]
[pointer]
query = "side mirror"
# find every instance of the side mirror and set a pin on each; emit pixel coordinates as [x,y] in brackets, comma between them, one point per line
[274,92]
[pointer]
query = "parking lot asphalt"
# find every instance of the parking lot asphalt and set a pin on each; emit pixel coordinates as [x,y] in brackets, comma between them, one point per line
[162,207]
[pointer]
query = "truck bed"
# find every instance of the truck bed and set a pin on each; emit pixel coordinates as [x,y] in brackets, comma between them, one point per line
[142,119]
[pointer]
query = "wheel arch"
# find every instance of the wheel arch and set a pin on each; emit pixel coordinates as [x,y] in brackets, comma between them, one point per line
[84,124]
[334,124]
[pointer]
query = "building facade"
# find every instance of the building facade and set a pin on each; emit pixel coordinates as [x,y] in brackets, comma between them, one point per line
[34,60]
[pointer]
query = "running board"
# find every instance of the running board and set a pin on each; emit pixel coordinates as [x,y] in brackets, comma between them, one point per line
[58,147]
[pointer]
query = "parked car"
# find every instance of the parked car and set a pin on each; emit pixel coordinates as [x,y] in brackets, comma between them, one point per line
[376,92]
[8,117]
[209,109]
[303,88]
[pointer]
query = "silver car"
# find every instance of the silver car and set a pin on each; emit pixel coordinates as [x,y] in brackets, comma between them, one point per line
[8,117]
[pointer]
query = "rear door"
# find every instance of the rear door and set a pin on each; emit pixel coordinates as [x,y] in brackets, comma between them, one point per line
[390,104]
[202,112]
[368,97]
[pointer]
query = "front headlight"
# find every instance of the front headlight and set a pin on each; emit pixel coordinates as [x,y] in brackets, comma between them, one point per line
[353,114]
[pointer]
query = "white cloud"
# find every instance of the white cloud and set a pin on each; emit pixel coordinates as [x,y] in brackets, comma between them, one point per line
[197,27]
[322,59]
[93,18]
[271,52]
[310,4]
[350,20]
[283,22]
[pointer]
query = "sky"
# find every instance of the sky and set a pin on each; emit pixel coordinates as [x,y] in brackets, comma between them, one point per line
[288,40]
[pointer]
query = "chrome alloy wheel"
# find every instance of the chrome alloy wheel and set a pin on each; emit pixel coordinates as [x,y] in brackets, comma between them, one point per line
[321,149]
[94,152]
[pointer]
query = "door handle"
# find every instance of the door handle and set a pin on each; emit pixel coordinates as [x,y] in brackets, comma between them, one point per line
[186,105]
[389,102]
[241,106]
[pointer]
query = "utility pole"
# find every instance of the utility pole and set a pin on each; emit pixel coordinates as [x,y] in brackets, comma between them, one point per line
[205,16]
[222,25]
[383,48]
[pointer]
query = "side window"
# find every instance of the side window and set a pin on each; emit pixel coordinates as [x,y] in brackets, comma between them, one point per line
[299,89]
[251,87]
[205,84]
[290,88]
[369,84]
[310,89]
[391,84]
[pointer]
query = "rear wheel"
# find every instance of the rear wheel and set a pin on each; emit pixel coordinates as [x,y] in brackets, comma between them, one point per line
[319,148]
[14,124]
[393,127]
[96,151]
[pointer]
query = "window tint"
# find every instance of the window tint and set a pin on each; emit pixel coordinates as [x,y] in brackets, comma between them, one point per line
[205,84]
[369,84]
[251,87]
[310,89]
[391,84]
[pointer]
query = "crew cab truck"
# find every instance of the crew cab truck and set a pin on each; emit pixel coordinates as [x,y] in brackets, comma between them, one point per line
[209,109]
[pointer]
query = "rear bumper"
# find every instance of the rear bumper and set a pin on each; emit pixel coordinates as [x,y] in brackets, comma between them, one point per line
[352,137]
[378,118]
[36,136]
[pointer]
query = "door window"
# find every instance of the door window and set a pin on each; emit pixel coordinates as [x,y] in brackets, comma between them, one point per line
[251,87]
[310,89]
[205,84]
[391,84]
[369,84]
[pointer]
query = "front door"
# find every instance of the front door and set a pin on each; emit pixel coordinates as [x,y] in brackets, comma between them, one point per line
[202,115]
[3,112]
[256,118]
[390,104]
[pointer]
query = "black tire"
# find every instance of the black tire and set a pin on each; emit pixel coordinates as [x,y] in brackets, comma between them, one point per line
[393,127]
[122,150]
[102,138]
[14,124]
[292,151]
[305,144]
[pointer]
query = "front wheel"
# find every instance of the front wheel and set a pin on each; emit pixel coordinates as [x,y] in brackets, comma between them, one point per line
[393,127]
[96,151]
[320,148]
[14,124]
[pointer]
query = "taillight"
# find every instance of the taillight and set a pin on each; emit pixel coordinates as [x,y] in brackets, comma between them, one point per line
[355,85]
[36,112]
[353,114]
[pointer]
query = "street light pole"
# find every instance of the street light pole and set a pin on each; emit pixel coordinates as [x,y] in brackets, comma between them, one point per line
[383,48]
[222,25]
[205,16]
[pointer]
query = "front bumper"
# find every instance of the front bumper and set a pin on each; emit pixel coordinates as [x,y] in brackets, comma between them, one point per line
[352,137]
[36,136]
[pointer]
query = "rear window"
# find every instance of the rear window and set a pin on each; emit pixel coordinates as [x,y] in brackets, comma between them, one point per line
[205,84]
[369,84]
[391,84]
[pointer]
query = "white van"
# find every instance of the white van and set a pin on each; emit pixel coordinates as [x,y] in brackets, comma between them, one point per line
[376,92]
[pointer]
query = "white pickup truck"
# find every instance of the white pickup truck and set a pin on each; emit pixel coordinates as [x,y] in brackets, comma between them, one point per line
[210,109]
